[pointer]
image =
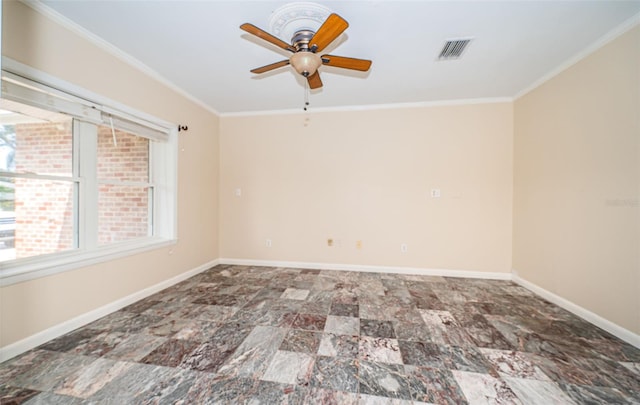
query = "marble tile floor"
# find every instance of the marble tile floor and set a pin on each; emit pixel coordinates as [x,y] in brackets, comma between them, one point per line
[260,335]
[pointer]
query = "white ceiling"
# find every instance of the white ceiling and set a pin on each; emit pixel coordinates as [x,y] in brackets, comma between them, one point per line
[199,47]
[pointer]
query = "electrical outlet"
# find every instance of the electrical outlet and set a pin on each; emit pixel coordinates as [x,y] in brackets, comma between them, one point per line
[435,193]
[359,244]
[329,242]
[238,192]
[404,248]
[267,243]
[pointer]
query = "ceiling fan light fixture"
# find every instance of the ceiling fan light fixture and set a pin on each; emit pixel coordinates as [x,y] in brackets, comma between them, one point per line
[305,63]
[306,44]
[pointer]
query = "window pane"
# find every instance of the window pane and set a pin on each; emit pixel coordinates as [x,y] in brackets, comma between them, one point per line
[123,213]
[7,219]
[34,140]
[36,217]
[125,159]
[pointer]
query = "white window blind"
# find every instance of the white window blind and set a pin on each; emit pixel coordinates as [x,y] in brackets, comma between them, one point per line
[134,126]
[23,90]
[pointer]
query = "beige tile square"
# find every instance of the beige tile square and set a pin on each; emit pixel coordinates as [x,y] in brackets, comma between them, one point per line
[294,294]
[289,368]
[342,325]
[381,350]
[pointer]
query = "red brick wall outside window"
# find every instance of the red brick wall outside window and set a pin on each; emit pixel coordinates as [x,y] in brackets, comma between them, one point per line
[44,208]
[123,211]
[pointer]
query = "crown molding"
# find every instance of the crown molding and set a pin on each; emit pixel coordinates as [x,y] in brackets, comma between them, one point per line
[599,43]
[111,49]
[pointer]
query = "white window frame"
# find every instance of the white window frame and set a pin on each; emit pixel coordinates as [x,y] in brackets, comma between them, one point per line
[163,155]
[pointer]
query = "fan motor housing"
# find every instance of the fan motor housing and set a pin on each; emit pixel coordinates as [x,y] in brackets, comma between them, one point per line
[301,39]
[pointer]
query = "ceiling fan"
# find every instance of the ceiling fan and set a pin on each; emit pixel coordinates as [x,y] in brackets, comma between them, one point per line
[305,46]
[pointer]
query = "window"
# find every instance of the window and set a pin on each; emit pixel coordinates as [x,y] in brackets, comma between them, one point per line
[125,193]
[80,181]
[37,179]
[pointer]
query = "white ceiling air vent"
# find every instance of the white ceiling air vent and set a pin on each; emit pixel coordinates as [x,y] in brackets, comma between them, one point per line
[453,48]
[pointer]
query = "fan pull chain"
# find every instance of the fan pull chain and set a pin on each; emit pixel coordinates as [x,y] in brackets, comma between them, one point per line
[306,95]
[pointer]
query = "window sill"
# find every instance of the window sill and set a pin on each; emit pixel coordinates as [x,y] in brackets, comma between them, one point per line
[31,268]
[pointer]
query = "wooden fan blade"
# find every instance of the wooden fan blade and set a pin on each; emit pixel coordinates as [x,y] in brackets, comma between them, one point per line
[346,63]
[314,81]
[272,66]
[253,30]
[330,29]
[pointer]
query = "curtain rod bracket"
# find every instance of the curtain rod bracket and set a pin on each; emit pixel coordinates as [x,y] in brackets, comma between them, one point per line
[182,128]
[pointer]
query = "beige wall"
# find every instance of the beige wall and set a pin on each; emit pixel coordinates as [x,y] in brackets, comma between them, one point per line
[366,175]
[33,306]
[577,183]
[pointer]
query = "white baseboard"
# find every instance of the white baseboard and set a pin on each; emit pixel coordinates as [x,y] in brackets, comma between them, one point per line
[583,313]
[587,315]
[370,269]
[60,329]
[44,336]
